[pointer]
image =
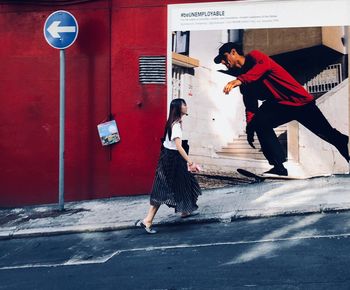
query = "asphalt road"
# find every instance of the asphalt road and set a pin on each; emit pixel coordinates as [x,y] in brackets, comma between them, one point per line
[301,252]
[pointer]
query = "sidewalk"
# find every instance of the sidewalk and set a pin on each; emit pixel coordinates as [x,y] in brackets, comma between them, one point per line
[255,200]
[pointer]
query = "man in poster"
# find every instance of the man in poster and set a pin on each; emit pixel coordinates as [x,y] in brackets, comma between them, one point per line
[284,100]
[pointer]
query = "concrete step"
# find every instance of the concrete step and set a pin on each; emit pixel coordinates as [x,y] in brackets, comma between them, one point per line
[242,145]
[249,150]
[244,136]
[241,149]
[243,155]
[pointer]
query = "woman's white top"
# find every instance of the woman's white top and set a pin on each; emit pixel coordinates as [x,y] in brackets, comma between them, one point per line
[175,133]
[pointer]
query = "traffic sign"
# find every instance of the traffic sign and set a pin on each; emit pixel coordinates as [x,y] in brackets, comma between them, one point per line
[61,29]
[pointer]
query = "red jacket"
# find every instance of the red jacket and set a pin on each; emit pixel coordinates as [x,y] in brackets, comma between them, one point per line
[263,79]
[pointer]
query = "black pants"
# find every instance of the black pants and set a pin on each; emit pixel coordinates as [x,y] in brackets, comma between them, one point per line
[271,115]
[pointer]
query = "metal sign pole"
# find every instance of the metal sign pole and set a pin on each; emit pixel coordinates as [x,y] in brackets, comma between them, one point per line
[60,31]
[62,119]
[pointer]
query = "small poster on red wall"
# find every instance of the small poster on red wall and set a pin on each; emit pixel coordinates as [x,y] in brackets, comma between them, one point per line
[108,132]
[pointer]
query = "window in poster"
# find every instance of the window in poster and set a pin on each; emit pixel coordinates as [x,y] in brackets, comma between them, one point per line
[312,48]
[108,132]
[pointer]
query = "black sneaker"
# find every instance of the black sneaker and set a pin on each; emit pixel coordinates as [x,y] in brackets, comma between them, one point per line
[277,171]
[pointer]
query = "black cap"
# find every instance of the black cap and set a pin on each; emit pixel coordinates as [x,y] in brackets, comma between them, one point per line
[227,47]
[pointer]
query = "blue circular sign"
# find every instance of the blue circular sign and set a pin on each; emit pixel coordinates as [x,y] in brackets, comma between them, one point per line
[61,29]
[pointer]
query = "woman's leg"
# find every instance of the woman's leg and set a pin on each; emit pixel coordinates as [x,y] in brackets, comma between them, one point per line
[148,220]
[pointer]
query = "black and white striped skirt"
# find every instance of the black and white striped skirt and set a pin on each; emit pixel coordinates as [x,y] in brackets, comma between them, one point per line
[173,184]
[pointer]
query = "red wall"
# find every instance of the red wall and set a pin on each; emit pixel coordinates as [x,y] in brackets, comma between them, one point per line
[101,78]
[29,91]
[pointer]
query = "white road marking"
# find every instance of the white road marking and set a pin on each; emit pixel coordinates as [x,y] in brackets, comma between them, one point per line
[101,260]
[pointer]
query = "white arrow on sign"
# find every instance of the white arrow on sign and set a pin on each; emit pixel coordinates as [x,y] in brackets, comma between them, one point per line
[54,29]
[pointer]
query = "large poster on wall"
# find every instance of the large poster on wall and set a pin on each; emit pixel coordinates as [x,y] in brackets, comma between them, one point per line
[266,83]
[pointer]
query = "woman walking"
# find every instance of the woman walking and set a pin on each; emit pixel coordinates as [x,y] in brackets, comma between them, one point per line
[174,184]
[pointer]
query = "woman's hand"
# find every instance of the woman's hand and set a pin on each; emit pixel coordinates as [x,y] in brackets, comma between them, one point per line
[194,167]
[191,166]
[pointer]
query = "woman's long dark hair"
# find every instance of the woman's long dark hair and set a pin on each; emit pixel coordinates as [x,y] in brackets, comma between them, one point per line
[174,115]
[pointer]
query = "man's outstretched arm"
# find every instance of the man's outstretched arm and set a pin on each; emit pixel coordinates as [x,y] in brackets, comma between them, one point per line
[230,85]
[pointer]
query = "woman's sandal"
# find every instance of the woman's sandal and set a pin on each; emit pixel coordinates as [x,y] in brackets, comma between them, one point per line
[149,230]
[189,215]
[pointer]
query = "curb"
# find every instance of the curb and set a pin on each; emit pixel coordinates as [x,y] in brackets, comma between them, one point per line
[14,233]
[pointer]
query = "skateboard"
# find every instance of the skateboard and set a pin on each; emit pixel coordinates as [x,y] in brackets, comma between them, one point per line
[261,177]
